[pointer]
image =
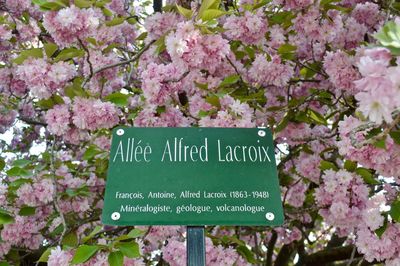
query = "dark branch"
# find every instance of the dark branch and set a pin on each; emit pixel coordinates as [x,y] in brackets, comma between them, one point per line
[157,5]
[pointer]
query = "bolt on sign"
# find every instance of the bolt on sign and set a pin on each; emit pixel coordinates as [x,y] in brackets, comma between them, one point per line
[192,176]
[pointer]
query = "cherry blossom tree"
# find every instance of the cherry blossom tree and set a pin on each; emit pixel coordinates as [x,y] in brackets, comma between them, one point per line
[323,76]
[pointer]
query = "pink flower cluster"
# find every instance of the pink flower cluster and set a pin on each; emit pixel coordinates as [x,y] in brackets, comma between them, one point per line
[188,48]
[232,113]
[379,86]
[44,78]
[39,193]
[297,4]
[307,165]
[386,247]
[24,232]
[18,6]
[92,114]
[171,117]
[7,118]
[59,257]
[249,28]
[71,24]
[296,193]
[288,235]
[106,81]
[382,160]
[57,119]
[175,254]
[342,197]
[159,24]
[160,82]
[28,32]
[369,15]
[5,33]
[274,72]
[342,73]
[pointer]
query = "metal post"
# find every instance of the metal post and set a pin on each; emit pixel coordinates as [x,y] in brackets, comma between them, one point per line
[195,250]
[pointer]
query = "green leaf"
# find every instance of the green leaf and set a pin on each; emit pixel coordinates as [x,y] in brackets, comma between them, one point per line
[379,232]
[115,21]
[84,253]
[160,45]
[50,48]
[208,4]
[142,36]
[116,258]
[95,231]
[90,152]
[70,240]
[83,3]
[21,163]
[395,211]
[17,171]
[27,211]
[381,143]
[284,122]
[134,233]
[75,89]
[49,103]
[212,14]
[350,166]
[287,51]
[232,79]
[389,35]
[187,13]
[213,100]
[52,6]
[129,249]
[367,176]
[45,255]
[5,217]
[2,164]
[246,253]
[316,117]
[395,135]
[325,165]
[118,98]
[69,53]
[34,53]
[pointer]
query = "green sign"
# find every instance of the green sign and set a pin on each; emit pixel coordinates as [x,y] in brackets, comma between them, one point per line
[192,176]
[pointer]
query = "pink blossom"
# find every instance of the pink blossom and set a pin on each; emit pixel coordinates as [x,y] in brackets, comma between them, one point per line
[7,118]
[249,28]
[297,4]
[160,23]
[368,14]
[59,257]
[339,67]
[273,72]
[5,33]
[94,114]
[57,119]
[71,24]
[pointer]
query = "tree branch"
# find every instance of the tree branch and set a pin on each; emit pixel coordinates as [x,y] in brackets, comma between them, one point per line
[330,255]
[32,122]
[136,57]
[270,248]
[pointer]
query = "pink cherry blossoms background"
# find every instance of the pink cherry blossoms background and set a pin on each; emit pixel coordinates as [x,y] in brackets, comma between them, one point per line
[323,76]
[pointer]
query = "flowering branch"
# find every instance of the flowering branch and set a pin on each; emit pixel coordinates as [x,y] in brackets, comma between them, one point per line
[55,196]
[133,59]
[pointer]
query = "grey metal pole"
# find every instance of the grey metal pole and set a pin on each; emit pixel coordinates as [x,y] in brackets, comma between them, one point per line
[195,250]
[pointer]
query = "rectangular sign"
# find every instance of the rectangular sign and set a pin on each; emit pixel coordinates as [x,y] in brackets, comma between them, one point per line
[192,176]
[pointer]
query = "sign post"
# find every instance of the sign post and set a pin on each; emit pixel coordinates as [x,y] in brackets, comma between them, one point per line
[196,250]
[192,176]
